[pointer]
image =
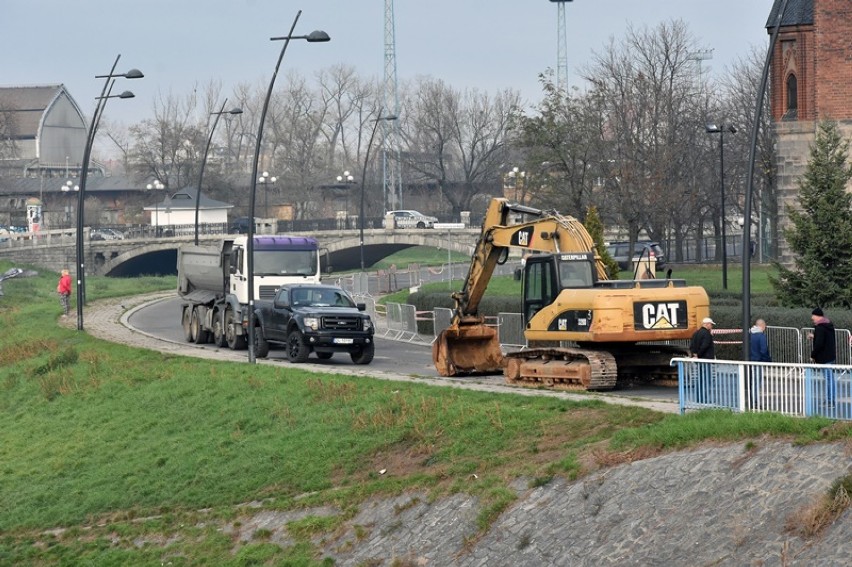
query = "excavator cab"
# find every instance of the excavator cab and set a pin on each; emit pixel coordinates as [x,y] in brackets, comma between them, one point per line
[546,275]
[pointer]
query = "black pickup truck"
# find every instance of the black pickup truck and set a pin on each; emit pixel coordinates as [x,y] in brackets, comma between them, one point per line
[307,318]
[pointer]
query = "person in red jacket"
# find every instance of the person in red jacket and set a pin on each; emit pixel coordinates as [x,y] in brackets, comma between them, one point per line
[64,291]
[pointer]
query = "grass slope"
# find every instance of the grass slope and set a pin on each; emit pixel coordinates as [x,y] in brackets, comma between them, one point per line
[118,445]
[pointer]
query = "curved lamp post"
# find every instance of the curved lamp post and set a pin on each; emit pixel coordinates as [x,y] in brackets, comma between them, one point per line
[87,153]
[222,111]
[263,180]
[364,180]
[720,129]
[755,129]
[313,37]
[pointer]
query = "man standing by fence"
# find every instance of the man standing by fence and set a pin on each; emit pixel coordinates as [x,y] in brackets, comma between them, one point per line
[701,345]
[823,350]
[758,352]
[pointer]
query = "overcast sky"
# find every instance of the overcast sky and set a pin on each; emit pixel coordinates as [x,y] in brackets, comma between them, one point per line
[488,44]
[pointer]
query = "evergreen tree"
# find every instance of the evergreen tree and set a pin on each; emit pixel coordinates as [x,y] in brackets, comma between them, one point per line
[595,228]
[820,234]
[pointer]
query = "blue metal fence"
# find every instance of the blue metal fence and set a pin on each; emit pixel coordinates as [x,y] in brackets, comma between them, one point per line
[793,389]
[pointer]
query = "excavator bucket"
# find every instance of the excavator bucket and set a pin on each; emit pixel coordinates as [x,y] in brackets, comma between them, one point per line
[465,349]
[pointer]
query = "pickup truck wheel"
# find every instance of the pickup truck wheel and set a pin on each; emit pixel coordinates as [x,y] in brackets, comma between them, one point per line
[365,355]
[261,345]
[297,350]
[186,323]
[199,335]
[218,331]
[324,355]
[235,341]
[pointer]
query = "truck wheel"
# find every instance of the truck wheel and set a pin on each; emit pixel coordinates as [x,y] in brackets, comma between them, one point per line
[218,331]
[365,355]
[200,335]
[235,341]
[297,350]
[261,345]
[324,355]
[186,322]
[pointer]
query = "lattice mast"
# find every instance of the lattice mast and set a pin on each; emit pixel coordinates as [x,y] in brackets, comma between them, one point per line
[391,168]
[561,46]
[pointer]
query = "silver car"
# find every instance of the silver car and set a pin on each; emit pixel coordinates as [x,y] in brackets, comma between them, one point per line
[410,219]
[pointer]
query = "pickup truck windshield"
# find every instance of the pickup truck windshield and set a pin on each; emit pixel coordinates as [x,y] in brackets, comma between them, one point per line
[285,262]
[319,297]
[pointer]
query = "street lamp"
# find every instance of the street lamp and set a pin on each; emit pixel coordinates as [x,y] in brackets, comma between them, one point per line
[364,180]
[87,153]
[313,37]
[156,184]
[263,180]
[720,129]
[65,188]
[222,111]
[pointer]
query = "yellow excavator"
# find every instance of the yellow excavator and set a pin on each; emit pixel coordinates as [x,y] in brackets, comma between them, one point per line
[586,332]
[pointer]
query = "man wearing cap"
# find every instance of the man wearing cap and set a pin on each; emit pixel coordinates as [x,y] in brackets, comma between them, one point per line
[701,345]
[823,349]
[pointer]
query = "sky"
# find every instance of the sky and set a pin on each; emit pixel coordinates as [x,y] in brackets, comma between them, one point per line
[484,44]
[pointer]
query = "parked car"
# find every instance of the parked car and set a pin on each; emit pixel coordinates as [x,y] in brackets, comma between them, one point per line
[642,249]
[410,219]
[4,234]
[105,234]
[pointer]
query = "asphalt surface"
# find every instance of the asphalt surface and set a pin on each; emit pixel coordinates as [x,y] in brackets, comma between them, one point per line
[159,319]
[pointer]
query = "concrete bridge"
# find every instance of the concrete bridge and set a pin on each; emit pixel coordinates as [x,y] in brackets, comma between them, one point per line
[149,254]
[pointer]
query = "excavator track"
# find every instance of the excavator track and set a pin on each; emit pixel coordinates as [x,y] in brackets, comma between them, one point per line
[561,369]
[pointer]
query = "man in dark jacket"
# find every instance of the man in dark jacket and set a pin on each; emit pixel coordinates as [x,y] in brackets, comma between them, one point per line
[823,350]
[758,352]
[701,345]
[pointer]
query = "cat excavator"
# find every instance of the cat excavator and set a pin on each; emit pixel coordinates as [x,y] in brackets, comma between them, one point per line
[585,331]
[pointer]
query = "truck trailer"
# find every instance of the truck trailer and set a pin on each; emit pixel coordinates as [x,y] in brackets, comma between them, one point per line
[213,282]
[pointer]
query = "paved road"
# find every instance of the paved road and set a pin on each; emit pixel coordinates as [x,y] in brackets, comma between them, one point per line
[160,320]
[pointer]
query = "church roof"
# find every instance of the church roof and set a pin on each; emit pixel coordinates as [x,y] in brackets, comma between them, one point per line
[796,13]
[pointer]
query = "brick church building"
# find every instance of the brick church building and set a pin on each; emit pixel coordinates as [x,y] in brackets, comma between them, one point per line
[811,81]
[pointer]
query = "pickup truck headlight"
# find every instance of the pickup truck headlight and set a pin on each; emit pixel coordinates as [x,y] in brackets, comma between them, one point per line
[312,323]
[368,324]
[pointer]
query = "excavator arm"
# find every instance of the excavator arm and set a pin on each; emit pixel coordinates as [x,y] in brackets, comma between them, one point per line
[468,345]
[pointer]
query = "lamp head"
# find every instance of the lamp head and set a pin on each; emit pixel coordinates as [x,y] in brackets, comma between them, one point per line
[317,36]
[235,110]
[126,94]
[133,74]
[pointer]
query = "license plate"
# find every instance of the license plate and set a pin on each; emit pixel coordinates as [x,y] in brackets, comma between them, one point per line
[344,341]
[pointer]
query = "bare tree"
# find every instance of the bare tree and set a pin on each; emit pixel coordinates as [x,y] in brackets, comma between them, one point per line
[457,140]
[739,94]
[168,147]
[8,132]
[653,119]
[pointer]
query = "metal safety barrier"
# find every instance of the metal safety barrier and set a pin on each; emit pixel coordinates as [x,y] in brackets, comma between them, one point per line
[510,327]
[794,389]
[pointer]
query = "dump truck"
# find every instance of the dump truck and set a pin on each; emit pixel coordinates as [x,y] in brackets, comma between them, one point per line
[213,282]
[585,331]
